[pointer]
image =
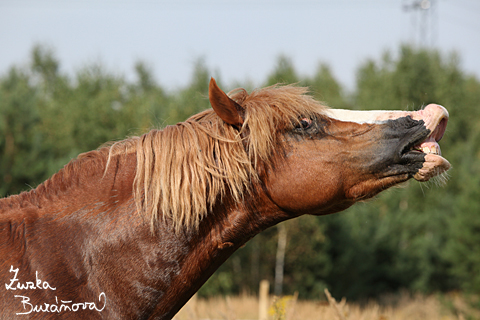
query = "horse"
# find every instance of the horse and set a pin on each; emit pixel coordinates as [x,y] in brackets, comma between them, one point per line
[133,229]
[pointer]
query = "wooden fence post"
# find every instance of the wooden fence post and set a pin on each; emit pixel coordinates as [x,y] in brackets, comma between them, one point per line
[263,300]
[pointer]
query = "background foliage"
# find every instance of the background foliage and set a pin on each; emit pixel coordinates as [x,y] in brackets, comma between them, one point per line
[422,238]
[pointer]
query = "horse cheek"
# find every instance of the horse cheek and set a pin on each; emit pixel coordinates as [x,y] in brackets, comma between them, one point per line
[305,187]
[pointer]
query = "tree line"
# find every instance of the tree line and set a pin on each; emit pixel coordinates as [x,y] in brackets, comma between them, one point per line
[421,237]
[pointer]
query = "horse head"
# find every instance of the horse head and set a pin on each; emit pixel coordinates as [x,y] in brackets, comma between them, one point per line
[329,159]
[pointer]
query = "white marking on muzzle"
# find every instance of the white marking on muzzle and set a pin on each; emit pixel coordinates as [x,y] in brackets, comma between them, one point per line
[373,116]
[432,115]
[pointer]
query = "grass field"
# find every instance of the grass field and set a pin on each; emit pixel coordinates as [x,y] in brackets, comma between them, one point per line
[400,307]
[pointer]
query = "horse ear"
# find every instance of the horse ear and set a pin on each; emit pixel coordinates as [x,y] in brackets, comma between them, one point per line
[227,109]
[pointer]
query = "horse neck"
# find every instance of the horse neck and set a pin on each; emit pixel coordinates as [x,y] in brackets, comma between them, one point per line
[228,227]
[81,183]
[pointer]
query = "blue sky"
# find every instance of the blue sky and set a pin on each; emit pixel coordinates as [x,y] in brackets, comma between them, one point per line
[239,40]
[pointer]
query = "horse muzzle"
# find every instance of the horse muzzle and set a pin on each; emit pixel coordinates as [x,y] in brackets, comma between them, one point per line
[426,142]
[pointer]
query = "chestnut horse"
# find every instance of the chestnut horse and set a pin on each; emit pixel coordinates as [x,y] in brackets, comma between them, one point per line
[133,230]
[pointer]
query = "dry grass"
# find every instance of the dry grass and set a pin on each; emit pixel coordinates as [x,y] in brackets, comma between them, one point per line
[402,307]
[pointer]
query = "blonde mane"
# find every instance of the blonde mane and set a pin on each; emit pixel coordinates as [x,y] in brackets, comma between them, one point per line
[183,170]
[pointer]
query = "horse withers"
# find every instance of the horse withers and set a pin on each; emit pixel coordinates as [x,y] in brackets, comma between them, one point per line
[133,230]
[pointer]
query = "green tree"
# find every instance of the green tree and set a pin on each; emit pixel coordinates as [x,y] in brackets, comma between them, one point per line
[326,88]
[284,72]
[46,118]
[193,98]
[18,135]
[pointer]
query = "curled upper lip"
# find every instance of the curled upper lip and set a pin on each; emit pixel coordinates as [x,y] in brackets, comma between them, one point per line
[435,117]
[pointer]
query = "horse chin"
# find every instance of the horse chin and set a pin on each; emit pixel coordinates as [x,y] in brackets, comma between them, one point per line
[434,165]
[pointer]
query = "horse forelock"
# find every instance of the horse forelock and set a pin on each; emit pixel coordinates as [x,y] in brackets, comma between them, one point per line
[273,109]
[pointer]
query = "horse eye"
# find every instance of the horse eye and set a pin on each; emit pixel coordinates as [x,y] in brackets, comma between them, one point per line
[304,123]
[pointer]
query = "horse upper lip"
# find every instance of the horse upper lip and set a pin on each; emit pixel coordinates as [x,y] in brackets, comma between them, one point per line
[435,117]
[439,130]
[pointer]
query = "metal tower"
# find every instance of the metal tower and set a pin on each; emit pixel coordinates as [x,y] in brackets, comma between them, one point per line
[423,17]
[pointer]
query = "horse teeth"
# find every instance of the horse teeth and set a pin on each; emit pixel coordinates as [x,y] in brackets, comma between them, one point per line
[428,150]
[432,150]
